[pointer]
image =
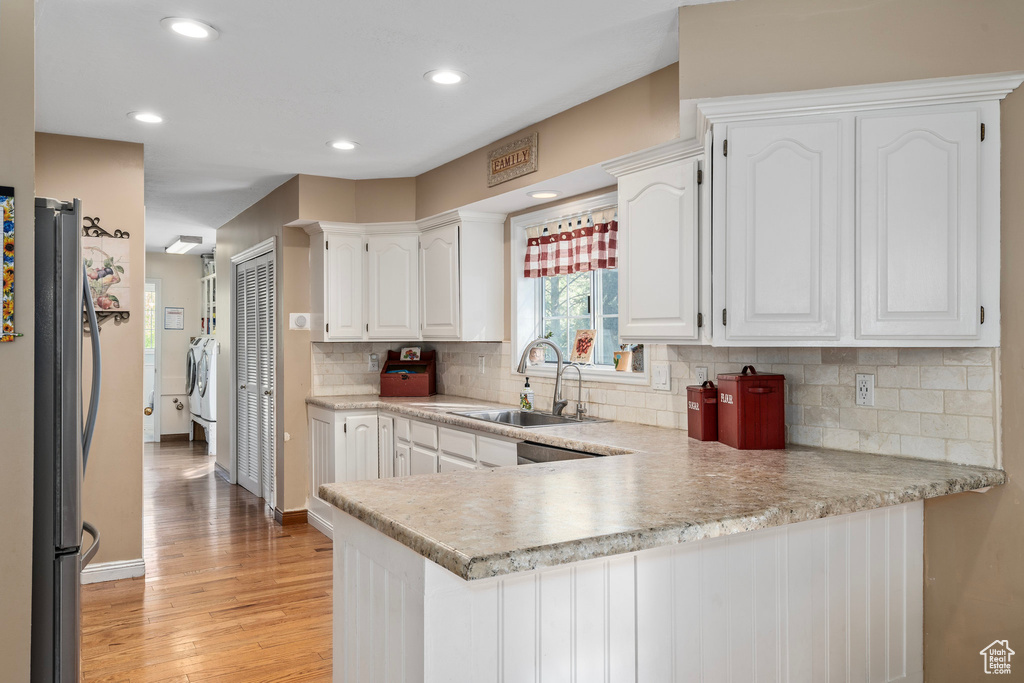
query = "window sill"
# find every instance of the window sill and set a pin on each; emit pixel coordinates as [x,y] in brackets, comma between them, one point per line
[590,374]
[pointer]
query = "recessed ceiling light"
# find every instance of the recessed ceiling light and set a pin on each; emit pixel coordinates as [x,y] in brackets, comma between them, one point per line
[345,145]
[544,194]
[146,117]
[445,76]
[190,28]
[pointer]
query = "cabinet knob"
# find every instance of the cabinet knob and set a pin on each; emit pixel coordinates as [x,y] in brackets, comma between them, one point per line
[266,392]
[242,386]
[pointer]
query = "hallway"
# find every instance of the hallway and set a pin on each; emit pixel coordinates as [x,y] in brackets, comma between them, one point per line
[228,594]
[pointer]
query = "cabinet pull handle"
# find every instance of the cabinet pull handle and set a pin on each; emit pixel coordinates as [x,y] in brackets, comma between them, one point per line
[723,317]
[982,315]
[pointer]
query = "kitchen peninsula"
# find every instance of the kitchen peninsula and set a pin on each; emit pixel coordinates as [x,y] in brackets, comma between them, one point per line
[668,559]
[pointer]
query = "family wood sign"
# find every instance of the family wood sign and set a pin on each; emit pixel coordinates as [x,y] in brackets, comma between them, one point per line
[512,160]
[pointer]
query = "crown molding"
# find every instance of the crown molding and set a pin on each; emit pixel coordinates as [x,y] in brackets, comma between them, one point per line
[667,152]
[874,96]
[453,217]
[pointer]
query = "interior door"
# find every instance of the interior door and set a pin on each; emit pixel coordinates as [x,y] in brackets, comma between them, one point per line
[439,282]
[394,287]
[918,223]
[778,228]
[266,330]
[247,460]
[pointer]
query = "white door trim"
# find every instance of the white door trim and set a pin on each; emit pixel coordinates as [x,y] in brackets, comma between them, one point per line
[267,246]
[158,346]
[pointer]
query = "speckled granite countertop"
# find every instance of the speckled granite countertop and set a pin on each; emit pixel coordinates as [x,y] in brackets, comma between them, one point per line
[661,488]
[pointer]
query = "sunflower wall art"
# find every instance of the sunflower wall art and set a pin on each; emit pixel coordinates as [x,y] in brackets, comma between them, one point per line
[7,332]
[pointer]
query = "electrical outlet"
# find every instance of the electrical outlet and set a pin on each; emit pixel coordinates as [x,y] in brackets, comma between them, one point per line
[481,360]
[373,363]
[865,390]
[702,375]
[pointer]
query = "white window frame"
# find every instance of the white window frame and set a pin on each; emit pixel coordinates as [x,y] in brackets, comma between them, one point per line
[527,299]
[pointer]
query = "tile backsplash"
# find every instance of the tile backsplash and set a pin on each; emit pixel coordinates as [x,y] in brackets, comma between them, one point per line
[937,404]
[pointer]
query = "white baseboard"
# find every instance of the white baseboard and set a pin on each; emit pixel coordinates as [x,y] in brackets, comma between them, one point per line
[222,472]
[322,525]
[112,571]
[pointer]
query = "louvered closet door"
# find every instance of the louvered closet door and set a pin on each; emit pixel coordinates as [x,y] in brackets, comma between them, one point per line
[265,354]
[247,436]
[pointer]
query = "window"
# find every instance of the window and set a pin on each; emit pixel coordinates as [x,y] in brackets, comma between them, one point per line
[581,301]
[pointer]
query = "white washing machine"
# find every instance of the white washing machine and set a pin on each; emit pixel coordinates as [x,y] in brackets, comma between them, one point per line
[207,381]
[195,352]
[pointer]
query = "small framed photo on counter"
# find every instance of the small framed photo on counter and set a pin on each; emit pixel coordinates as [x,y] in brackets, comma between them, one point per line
[583,346]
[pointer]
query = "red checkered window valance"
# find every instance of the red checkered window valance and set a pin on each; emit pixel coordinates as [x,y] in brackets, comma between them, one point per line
[576,245]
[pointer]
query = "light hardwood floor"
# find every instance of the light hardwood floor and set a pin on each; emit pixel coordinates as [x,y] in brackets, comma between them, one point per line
[228,595]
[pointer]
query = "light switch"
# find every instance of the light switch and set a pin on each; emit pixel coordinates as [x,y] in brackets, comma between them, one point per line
[660,377]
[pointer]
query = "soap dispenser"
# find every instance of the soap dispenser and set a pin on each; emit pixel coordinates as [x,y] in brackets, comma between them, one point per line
[526,397]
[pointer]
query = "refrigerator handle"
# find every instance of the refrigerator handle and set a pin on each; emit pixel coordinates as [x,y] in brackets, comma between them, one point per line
[97,370]
[91,552]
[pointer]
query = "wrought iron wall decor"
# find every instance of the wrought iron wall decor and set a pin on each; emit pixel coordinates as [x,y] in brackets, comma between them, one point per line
[7,332]
[107,267]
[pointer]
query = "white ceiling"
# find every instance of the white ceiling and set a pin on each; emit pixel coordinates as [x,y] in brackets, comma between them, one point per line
[245,112]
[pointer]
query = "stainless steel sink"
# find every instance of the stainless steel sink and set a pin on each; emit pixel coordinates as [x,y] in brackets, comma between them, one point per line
[527,420]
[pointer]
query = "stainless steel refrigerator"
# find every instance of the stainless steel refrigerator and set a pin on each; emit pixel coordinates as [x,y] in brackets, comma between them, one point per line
[63,435]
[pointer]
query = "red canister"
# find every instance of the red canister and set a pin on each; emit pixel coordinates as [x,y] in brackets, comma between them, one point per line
[752,410]
[702,411]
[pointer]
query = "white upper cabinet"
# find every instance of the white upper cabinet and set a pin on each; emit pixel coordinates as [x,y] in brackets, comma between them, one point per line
[859,216]
[918,223]
[439,278]
[343,295]
[393,286]
[779,199]
[659,243]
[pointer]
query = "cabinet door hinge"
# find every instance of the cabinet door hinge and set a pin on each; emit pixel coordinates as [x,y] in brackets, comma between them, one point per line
[725,148]
[983,131]
[982,315]
[700,176]
[700,320]
[723,317]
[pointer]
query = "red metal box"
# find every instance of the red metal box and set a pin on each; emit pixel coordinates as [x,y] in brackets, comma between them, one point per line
[702,411]
[409,377]
[752,410]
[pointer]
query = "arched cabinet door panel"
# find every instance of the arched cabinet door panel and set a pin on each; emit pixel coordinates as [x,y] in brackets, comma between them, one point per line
[918,224]
[777,240]
[393,303]
[658,253]
[439,282]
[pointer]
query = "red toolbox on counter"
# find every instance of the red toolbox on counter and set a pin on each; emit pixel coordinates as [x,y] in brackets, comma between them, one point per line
[409,377]
[702,411]
[752,410]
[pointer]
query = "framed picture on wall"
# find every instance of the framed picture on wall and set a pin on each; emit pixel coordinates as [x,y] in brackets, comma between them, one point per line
[106,260]
[7,293]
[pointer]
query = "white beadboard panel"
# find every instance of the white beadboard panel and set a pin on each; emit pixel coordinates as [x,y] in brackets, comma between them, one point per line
[837,599]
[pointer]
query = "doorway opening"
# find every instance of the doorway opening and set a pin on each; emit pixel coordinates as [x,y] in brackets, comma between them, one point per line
[151,363]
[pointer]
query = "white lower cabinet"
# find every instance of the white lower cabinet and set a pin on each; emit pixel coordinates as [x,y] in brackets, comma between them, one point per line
[343,446]
[351,445]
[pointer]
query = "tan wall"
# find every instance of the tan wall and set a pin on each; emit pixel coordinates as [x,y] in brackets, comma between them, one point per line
[386,199]
[263,220]
[108,177]
[635,116]
[974,543]
[17,169]
[326,199]
[179,276]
